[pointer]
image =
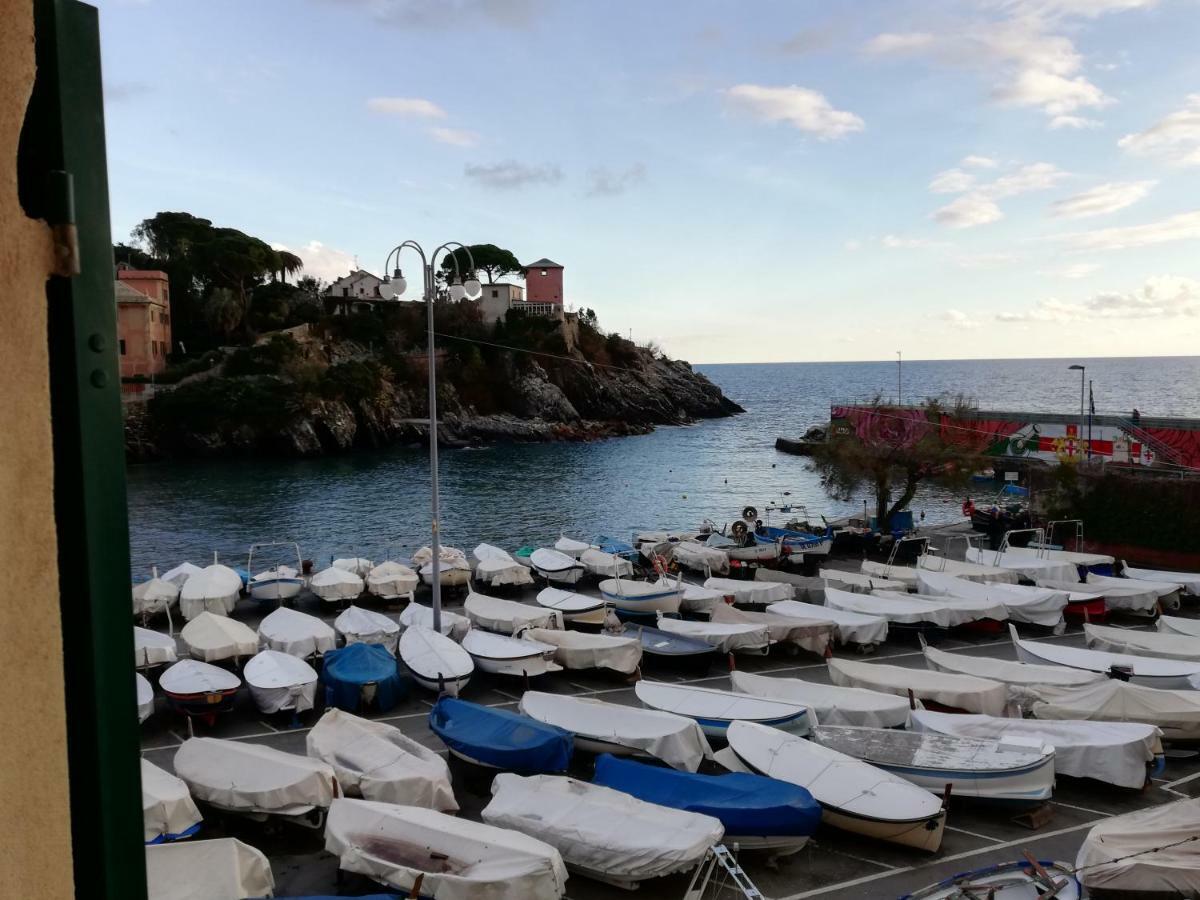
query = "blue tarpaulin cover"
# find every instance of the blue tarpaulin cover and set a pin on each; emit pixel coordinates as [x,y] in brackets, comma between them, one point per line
[500,738]
[345,671]
[746,804]
[615,547]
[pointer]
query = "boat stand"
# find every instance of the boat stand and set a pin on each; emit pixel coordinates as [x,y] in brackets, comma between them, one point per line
[734,878]
[1035,817]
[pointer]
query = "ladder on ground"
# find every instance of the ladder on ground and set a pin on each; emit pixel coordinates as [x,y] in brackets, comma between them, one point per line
[1162,451]
[735,877]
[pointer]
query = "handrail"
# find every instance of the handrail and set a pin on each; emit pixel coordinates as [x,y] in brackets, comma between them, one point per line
[1161,448]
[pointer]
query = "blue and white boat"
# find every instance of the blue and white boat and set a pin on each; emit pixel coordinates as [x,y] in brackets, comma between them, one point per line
[715,709]
[499,738]
[675,650]
[642,598]
[797,543]
[758,813]
[1019,879]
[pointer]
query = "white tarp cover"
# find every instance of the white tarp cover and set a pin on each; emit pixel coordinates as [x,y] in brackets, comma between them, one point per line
[962,610]
[757,593]
[211,638]
[1160,589]
[496,567]
[336,583]
[852,628]
[181,573]
[154,596]
[580,650]
[222,868]
[570,546]
[391,579]
[1150,669]
[1114,752]
[1122,854]
[814,635]
[453,624]
[190,676]
[281,681]
[1025,680]
[828,704]
[448,556]
[727,638]
[291,631]
[968,571]
[695,599]
[697,702]
[906,574]
[145,696]
[1144,643]
[245,777]
[676,740]
[167,807]
[1124,599]
[429,655]
[356,564]
[508,616]
[1035,606]
[599,829]
[1028,567]
[979,695]
[605,565]
[569,603]
[461,859]
[856,581]
[214,589]
[694,555]
[1068,556]
[896,611]
[1189,581]
[1179,625]
[152,648]
[1176,713]
[365,626]
[374,760]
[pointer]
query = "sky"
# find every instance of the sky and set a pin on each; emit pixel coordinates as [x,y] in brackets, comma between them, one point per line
[737,181]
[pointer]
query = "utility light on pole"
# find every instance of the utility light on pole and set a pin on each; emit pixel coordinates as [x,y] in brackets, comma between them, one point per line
[1082,373]
[393,286]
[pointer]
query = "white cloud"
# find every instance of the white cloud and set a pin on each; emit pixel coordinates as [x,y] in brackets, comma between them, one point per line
[605,182]
[451,14]
[1032,177]
[1160,297]
[1181,227]
[951,181]
[968,211]
[803,108]
[1102,199]
[406,107]
[956,318]
[322,262]
[901,42]
[1076,122]
[977,205]
[1073,270]
[979,162]
[1175,138]
[511,175]
[456,137]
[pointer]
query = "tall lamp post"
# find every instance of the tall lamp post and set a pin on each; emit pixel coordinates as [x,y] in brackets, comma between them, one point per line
[393,286]
[1082,372]
[899,375]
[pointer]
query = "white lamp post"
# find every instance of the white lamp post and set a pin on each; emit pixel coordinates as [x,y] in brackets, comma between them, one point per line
[394,286]
[1082,372]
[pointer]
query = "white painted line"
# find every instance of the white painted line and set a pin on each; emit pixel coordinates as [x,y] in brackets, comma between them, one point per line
[1094,812]
[857,858]
[172,732]
[975,834]
[513,697]
[268,725]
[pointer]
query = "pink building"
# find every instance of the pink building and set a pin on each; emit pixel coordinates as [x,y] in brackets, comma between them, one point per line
[544,282]
[143,321]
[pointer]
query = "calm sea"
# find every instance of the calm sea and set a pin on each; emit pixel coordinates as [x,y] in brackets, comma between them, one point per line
[376,504]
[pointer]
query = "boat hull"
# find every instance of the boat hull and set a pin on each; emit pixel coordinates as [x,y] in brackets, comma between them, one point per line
[797,724]
[921,834]
[448,686]
[561,576]
[1163,682]
[648,605]
[753,553]
[1029,784]
[450,577]
[276,588]
[524,666]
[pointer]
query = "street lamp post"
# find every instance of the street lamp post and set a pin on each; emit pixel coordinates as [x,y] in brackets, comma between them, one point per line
[1082,372]
[899,375]
[394,286]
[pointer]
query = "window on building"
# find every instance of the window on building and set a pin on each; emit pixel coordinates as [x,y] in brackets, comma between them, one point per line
[543,271]
[122,343]
[495,292]
[151,315]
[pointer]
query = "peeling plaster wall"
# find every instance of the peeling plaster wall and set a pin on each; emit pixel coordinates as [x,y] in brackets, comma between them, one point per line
[35,831]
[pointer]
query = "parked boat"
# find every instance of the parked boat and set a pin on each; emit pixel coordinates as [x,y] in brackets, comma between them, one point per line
[902,614]
[695,598]
[224,866]
[746,550]
[365,626]
[580,650]
[522,554]
[168,811]
[152,648]
[336,584]
[1178,625]
[972,767]
[605,834]
[854,795]
[199,689]
[699,557]
[500,738]
[508,616]
[435,662]
[278,582]
[360,675]
[502,655]
[1175,713]
[556,566]
[447,856]
[453,568]
[797,543]
[392,580]
[965,692]
[1188,581]
[570,546]
[642,598]
[1029,567]
[291,631]
[575,609]
[968,571]
[1167,592]
[269,782]
[145,696]
[907,575]
[373,760]
[676,650]
[857,582]
[496,568]
[1026,682]
[1022,879]
[214,589]
[1095,602]
[453,625]
[725,638]
[1053,554]
[715,709]
[828,704]
[1149,853]
[1145,643]
[813,635]
[212,638]
[601,727]
[279,681]
[1032,605]
[1171,674]
[850,627]
[154,596]
[1114,752]
[605,565]
[752,593]
[356,564]
[181,573]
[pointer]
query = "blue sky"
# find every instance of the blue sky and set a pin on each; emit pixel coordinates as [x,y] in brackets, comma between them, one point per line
[739,182]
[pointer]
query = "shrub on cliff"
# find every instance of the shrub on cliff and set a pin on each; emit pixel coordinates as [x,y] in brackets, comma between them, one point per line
[270,358]
[217,404]
[353,381]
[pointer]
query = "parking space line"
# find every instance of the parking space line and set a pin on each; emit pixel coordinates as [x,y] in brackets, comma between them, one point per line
[268,725]
[975,834]
[1093,812]
[857,858]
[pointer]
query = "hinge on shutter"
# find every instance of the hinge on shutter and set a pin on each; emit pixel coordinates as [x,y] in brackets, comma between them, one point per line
[61,216]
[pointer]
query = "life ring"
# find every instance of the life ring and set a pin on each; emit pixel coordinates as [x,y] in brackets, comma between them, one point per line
[738,530]
[750,513]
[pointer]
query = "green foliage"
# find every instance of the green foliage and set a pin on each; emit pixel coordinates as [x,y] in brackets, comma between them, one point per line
[176,373]
[214,404]
[621,351]
[353,381]
[274,357]
[494,262]
[222,312]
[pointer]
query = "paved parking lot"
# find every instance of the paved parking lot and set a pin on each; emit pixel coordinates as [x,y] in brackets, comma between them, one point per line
[834,865]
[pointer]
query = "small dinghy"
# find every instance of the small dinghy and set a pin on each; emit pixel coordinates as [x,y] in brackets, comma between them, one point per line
[212,638]
[522,554]
[850,627]
[903,615]
[695,599]
[361,675]
[336,584]
[828,704]
[556,566]
[968,571]
[1175,713]
[499,738]
[1089,602]
[723,637]
[199,689]
[453,625]
[963,611]
[1008,769]
[699,558]
[280,681]
[499,654]
[1114,752]
[152,648]
[605,565]
[1075,558]
[1028,567]
[1025,681]
[715,709]
[758,813]
[601,727]
[1148,853]
[356,564]
[580,650]
[571,547]
[213,589]
[255,780]
[181,573]
[508,616]
[859,583]
[642,598]
[956,692]
[1166,591]
[168,812]
[291,631]
[435,662]
[752,593]
[1189,581]
[277,583]
[854,795]
[1145,643]
[453,572]
[1179,625]
[225,867]
[392,580]
[422,851]
[604,834]
[157,595]
[575,609]
[1023,879]
[365,626]
[747,549]
[663,648]
[1032,605]
[906,575]
[145,697]
[496,568]
[1150,671]
[373,760]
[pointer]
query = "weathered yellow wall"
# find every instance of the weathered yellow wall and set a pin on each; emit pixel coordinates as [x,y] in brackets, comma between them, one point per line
[35,838]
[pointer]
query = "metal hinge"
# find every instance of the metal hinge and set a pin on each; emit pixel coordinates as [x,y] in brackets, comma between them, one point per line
[61,216]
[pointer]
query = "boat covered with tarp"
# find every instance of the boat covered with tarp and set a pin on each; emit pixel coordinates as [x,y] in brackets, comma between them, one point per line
[828,703]
[500,738]
[211,638]
[1024,879]
[1152,852]
[1031,605]
[298,633]
[751,593]
[1150,671]
[391,580]
[152,648]
[1145,643]
[453,625]
[508,616]
[168,811]
[225,867]
[336,584]
[280,681]
[1025,681]
[1176,713]
[715,709]
[580,650]
[850,627]
[199,689]
[214,589]
[357,625]
[961,692]
[725,637]
[496,567]
[361,674]
[1189,581]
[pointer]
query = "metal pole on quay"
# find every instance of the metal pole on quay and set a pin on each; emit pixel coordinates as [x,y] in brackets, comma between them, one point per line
[1082,372]
[393,286]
